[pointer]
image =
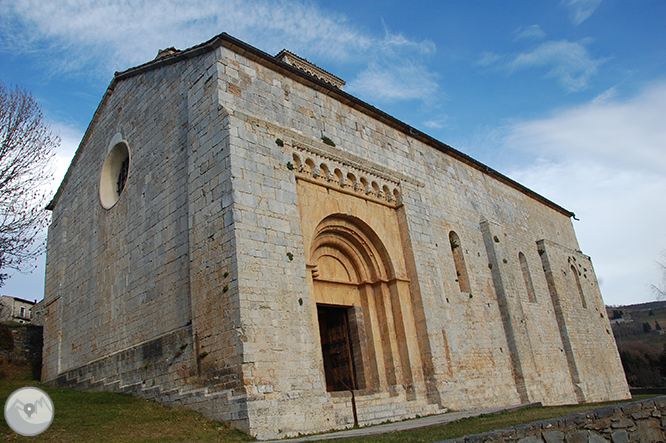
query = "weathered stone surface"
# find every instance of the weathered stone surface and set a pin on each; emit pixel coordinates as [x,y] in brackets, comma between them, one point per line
[608,411]
[649,431]
[641,414]
[576,437]
[622,423]
[631,408]
[620,437]
[527,429]
[599,424]
[575,420]
[596,438]
[530,439]
[553,437]
[262,210]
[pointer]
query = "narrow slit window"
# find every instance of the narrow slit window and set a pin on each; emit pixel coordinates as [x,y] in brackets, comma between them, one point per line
[529,285]
[459,260]
[580,288]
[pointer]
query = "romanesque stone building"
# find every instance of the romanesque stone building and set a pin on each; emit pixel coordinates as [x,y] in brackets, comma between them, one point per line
[238,235]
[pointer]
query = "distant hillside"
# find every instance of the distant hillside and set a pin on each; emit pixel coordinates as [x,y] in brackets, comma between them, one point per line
[640,333]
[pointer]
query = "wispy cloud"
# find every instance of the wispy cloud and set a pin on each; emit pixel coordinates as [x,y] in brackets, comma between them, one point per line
[533,32]
[627,134]
[489,59]
[569,63]
[605,96]
[439,122]
[396,71]
[384,83]
[606,162]
[104,35]
[125,34]
[580,10]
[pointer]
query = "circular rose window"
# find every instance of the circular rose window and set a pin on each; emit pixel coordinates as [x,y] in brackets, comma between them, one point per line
[115,171]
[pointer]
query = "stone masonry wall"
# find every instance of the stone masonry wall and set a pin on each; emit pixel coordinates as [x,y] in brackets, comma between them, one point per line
[125,309]
[488,345]
[641,421]
[119,277]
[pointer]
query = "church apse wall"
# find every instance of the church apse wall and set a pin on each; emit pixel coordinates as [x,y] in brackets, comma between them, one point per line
[285,257]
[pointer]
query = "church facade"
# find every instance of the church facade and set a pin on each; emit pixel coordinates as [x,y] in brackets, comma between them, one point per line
[238,235]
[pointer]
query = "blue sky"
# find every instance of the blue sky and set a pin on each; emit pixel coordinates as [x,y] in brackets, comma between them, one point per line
[567,97]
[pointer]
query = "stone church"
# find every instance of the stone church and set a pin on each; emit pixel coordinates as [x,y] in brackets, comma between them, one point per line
[238,235]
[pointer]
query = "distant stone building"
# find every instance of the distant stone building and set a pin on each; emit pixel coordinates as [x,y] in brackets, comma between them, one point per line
[16,309]
[238,235]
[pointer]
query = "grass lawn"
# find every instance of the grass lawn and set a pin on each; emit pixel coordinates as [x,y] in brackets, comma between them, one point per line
[111,417]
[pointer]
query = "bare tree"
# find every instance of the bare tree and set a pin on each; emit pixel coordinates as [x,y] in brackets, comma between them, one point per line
[660,290]
[27,146]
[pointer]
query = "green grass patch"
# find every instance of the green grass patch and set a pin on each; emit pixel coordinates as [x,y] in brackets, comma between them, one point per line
[113,417]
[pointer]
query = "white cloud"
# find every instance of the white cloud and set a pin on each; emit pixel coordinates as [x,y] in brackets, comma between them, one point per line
[385,83]
[533,32]
[629,134]
[605,96]
[569,62]
[438,122]
[606,161]
[488,59]
[580,10]
[125,34]
[621,220]
[104,35]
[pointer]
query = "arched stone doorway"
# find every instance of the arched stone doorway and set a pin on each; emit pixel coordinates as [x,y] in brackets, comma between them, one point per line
[363,310]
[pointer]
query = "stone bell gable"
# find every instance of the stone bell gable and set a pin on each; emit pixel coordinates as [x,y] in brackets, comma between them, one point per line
[238,235]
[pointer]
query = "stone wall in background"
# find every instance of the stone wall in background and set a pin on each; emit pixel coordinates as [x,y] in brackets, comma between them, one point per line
[24,347]
[642,421]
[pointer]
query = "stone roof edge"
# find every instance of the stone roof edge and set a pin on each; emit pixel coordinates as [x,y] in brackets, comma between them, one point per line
[271,62]
[286,51]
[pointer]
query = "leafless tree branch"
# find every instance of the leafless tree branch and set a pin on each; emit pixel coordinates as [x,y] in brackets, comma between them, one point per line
[27,148]
[660,290]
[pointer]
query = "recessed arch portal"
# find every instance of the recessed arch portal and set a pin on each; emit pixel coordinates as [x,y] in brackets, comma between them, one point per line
[359,307]
[353,242]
